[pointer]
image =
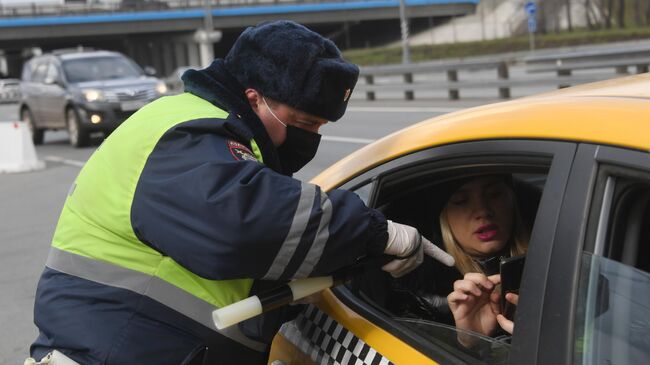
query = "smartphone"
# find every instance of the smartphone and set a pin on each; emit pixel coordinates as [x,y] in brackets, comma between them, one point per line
[511,269]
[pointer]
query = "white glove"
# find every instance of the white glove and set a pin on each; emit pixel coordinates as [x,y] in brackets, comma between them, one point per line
[406,242]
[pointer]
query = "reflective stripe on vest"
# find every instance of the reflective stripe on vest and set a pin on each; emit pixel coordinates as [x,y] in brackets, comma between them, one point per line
[147,285]
[95,223]
[256,151]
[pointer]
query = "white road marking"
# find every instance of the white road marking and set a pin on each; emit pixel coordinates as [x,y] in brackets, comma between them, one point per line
[400,109]
[347,139]
[324,138]
[64,161]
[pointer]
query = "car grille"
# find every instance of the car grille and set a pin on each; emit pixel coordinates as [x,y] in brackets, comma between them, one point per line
[129,94]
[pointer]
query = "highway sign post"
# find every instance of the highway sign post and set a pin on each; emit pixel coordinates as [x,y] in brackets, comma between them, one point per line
[531,10]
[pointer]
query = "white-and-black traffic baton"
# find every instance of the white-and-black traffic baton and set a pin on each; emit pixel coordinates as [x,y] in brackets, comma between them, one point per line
[292,291]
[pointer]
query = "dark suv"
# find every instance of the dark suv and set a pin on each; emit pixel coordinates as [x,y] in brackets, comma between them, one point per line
[83,91]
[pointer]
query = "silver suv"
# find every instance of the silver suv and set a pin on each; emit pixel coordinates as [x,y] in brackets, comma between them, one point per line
[84,92]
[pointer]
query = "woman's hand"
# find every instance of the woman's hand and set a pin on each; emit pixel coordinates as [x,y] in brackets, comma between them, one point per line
[475,305]
[504,322]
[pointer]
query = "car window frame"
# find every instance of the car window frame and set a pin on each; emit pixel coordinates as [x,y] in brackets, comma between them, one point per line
[561,153]
[61,78]
[613,162]
[45,63]
[613,168]
[585,195]
[52,70]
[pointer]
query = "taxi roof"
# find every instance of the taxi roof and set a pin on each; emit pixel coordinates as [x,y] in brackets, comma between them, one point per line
[613,112]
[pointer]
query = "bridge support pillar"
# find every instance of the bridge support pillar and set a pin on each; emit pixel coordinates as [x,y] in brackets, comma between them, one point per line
[206,51]
[166,53]
[206,40]
[193,54]
[13,63]
[181,54]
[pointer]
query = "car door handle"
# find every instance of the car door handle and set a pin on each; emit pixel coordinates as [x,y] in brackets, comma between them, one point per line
[278,362]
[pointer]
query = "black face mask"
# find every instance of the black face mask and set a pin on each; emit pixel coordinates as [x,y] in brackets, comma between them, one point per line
[298,149]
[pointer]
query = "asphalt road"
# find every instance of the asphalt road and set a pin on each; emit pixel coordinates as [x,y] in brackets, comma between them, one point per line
[30,202]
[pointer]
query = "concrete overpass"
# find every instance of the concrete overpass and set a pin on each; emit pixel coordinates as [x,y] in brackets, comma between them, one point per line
[165,39]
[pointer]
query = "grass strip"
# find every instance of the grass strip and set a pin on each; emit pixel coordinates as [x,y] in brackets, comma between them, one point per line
[391,55]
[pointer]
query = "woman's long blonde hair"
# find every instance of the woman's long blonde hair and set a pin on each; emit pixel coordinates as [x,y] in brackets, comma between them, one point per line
[518,243]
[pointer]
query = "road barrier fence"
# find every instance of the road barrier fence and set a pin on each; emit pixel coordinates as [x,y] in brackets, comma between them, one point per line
[549,69]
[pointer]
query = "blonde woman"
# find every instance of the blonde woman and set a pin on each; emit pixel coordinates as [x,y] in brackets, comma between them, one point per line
[480,223]
[478,220]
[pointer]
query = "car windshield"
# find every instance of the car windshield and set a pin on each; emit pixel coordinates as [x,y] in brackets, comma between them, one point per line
[100,68]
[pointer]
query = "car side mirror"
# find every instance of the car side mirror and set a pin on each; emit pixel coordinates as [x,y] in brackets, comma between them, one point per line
[149,71]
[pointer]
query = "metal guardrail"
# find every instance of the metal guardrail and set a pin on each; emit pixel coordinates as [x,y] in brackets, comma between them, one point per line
[619,58]
[409,78]
[449,68]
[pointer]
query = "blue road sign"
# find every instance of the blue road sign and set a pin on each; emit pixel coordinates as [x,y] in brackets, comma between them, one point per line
[532,24]
[531,8]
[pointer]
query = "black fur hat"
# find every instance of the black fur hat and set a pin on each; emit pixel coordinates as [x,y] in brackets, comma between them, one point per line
[291,64]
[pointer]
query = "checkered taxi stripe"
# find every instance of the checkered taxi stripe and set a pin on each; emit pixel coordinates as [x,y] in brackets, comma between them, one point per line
[326,342]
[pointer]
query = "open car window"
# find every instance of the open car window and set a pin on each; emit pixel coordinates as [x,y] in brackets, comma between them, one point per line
[417,302]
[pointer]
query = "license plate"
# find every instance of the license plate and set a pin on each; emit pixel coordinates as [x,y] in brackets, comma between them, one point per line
[128,106]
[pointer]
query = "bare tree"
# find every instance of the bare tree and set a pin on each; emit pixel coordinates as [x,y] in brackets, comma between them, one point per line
[621,13]
[608,13]
[595,11]
[554,8]
[637,13]
[568,15]
[588,19]
[541,18]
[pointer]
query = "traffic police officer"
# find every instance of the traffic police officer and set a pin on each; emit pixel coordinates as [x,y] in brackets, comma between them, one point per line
[190,206]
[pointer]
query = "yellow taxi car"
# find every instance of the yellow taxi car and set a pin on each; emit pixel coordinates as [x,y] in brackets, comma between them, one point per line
[585,289]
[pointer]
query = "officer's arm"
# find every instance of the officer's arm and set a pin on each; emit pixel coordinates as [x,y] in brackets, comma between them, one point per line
[225,218]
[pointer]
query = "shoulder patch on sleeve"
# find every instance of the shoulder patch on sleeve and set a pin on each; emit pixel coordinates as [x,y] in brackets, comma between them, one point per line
[240,152]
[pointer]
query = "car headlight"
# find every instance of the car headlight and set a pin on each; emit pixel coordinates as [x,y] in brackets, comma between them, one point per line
[161,88]
[93,95]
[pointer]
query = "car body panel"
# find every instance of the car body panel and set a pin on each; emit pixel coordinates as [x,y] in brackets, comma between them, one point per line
[386,345]
[289,354]
[380,340]
[584,122]
[53,101]
[581,116]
